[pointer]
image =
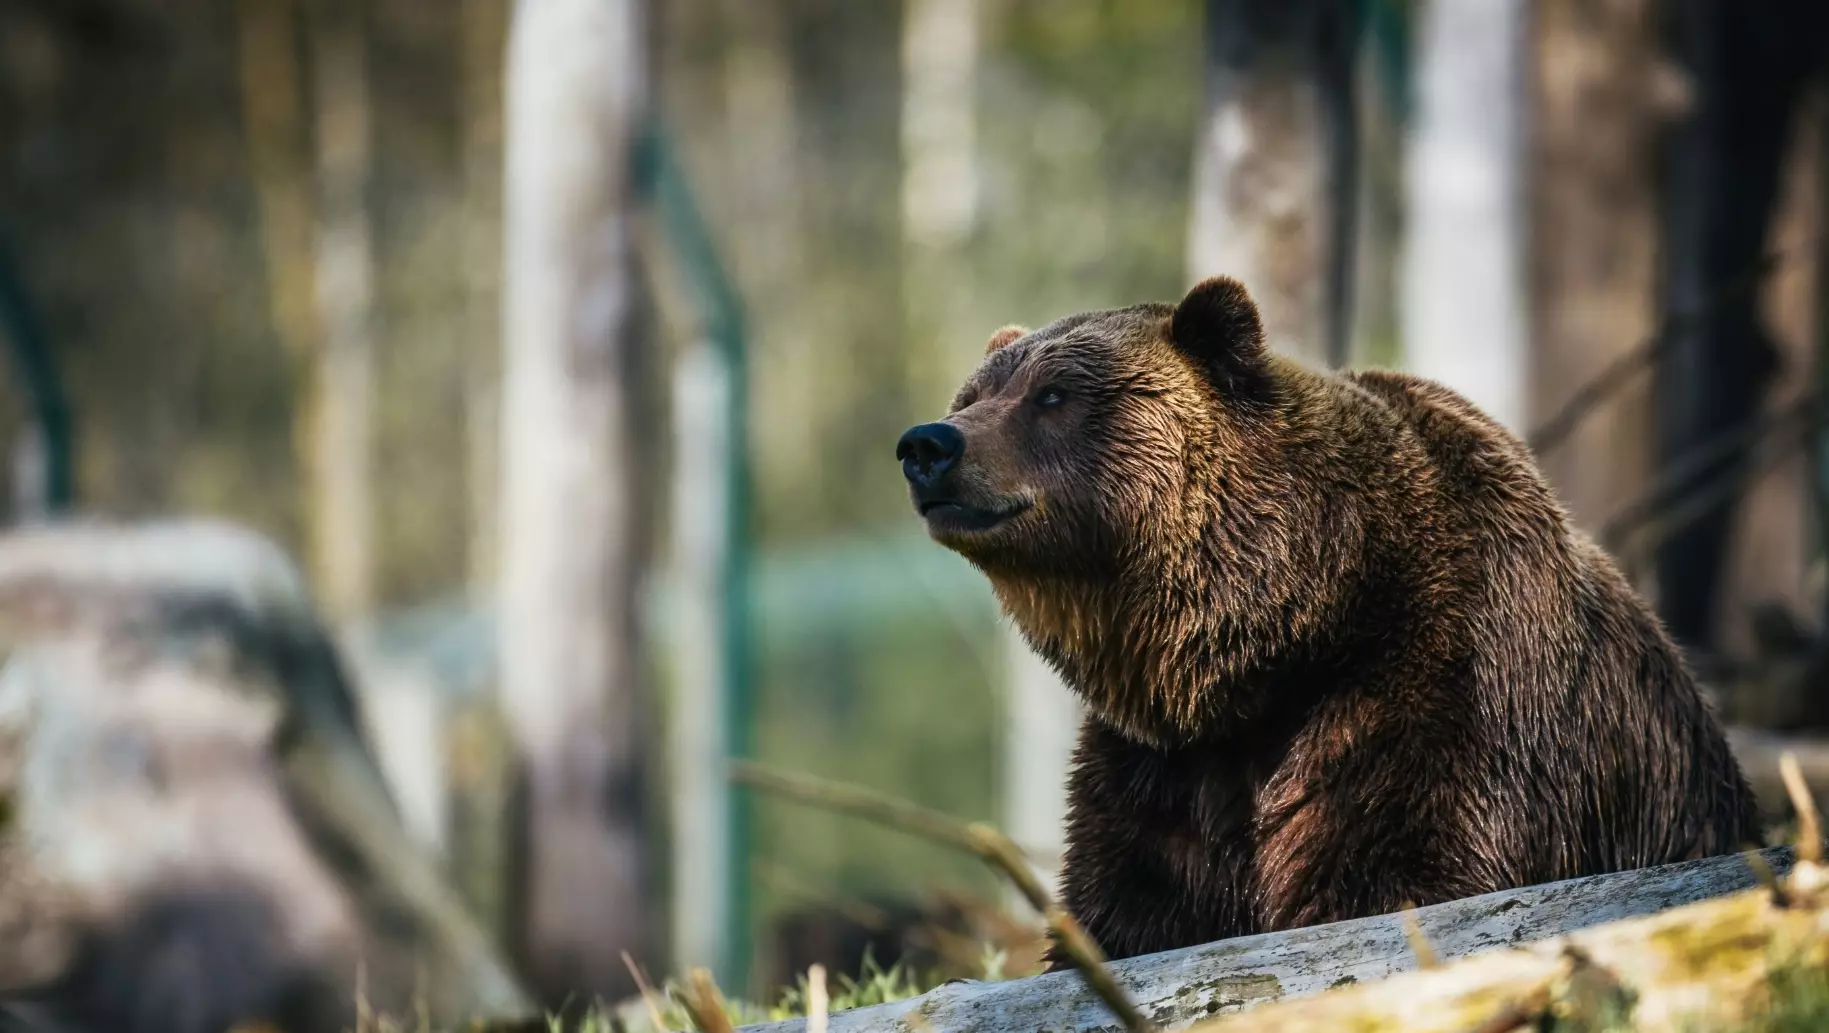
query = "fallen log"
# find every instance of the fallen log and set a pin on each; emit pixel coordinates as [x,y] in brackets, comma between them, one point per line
[1178,988]
[1709,965]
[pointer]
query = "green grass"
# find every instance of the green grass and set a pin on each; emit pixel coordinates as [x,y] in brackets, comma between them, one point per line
[873,984]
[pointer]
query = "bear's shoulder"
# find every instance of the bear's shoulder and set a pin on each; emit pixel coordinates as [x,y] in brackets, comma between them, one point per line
[1476,458]
[1434,407]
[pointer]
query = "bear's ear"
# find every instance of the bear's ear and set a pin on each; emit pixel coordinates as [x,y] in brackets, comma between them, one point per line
[1217,326]
[1005,336]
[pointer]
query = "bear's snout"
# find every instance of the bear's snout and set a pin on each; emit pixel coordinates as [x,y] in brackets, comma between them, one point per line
[928,451]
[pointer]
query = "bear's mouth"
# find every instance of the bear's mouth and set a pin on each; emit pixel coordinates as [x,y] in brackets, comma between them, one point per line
[951,515]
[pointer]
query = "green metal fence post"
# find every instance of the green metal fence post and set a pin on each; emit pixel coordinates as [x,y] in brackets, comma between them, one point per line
[722,311]
[32,356]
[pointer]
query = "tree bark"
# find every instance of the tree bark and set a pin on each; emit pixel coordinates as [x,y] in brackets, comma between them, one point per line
[1275,167]
[1750,67]
[341,411]
[477,752]
[485,32]
[574,469]
[273,122]
[1601,93]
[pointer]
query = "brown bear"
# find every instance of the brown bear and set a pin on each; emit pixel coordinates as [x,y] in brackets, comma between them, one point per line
[1341,649]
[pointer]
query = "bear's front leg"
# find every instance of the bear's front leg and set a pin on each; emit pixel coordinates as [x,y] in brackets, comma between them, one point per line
[1158,847]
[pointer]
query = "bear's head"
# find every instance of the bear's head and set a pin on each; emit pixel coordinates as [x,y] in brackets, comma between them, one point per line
[1130,482]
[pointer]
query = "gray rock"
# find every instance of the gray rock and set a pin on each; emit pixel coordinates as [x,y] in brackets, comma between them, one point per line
[198,831]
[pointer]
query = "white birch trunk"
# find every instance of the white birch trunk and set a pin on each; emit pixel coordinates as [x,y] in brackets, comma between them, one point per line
[571,476]
[1259,191]
[939,128]
[1463,312]
[1041,725]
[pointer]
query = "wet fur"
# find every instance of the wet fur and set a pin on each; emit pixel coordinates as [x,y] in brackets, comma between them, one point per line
[1341,647]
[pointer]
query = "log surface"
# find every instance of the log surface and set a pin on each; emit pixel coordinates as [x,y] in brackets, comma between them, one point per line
[1178,988]
[1711,965]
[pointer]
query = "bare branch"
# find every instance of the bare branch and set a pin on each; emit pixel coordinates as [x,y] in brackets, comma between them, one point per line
[990,845]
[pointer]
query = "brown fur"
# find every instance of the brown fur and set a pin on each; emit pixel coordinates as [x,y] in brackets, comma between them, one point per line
[1341,649]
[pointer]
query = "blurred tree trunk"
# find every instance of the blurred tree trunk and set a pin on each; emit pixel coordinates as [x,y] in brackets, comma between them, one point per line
[478,739]
[485,33]
[1275,169]
[846,76]
[939,191]
[1382,79]
[1601,92]
[327,332]
[273,116]
[1817,578]
[1750,65]
[1463,306]
[342,398]
[574,468]
[1041,726]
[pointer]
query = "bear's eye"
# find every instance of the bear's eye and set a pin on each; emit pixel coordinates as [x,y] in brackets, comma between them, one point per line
[1050,396]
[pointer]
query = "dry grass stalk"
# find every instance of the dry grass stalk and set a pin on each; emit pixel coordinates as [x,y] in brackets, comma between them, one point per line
[992,846]
[1809,821]
[819,1007]
[704,1005]
[1419,944]
[365,1013]
[649,998]
[1767,877]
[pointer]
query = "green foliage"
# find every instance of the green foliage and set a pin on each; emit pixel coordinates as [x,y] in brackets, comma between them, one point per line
[873,985]
[1090,109]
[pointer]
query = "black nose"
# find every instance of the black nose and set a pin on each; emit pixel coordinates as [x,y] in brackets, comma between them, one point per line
[928,451]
